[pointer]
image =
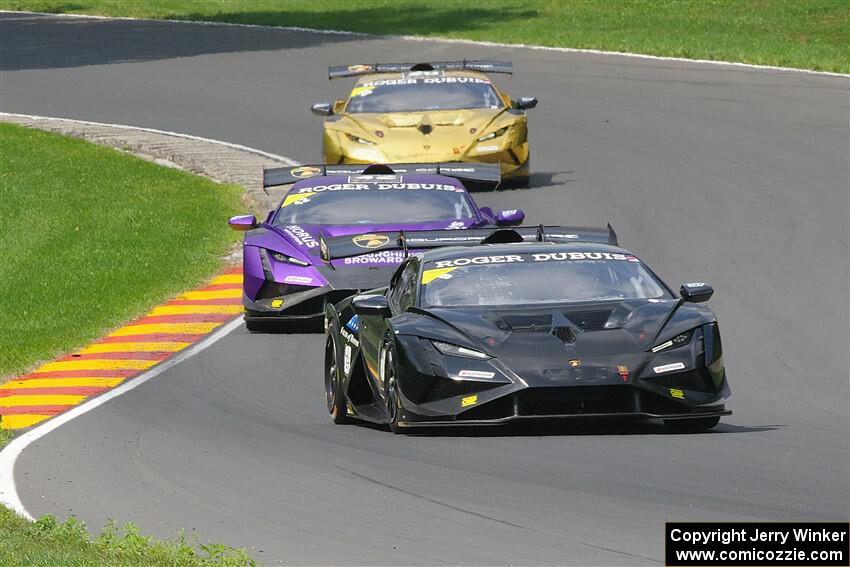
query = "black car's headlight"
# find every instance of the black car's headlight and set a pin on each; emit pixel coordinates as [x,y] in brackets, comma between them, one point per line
[492,135]
[675,342]
[288,259]
[359,140]
[457,350]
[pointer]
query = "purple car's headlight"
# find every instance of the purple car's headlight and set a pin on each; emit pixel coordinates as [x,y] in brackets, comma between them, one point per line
[288,259]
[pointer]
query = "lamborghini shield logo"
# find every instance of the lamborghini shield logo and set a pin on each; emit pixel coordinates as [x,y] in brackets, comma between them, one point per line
[304,171]
[360,68]
[371,240]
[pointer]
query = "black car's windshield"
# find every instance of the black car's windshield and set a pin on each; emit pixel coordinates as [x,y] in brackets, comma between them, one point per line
[414,95]
[353,203]
[537,278]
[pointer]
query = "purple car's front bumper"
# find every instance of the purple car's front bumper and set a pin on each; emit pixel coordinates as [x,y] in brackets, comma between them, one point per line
[281,301]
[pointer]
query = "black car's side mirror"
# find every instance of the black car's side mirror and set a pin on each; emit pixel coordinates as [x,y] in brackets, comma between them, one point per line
[371,305]
[525,102]
[696,292]
[322,109]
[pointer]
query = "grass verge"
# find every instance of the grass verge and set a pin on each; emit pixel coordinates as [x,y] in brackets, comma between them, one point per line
[809,35]
[91,237]
[48,542]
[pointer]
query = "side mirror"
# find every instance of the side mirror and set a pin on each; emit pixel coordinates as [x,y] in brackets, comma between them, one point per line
[371,305]
[322,109]
[696,292]
[511,217]
[243,222]
[525,102]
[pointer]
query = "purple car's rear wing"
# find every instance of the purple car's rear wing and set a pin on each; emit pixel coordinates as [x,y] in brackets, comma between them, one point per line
[357,245]
[485,173]
[482,65]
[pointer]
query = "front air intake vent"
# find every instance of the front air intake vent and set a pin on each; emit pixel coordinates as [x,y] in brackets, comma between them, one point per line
[565,334]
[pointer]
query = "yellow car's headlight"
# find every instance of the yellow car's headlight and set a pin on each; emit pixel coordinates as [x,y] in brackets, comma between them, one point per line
[492,135]
[359,140]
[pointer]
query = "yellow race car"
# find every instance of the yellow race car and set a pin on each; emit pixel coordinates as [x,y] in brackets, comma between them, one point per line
[427,113]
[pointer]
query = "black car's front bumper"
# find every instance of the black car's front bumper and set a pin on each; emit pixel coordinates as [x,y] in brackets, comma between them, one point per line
[625,401]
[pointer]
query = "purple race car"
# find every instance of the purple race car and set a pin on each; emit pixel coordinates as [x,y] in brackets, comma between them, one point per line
[286,275]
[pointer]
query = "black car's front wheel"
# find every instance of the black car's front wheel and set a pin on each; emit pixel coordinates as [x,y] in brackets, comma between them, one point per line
[334,396]
[691,425]
[393,398]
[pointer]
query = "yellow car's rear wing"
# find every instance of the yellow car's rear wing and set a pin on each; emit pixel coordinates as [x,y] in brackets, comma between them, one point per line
[481,65]
[484,173]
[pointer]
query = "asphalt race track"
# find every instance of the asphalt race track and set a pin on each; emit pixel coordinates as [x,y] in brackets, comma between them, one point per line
[734,176]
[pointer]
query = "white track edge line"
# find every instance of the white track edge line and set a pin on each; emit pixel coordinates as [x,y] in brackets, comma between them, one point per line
[8,491]
[455,40]
[284,160]
[9,454]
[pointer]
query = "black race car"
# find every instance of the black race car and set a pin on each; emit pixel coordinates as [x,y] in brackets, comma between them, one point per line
[551,323]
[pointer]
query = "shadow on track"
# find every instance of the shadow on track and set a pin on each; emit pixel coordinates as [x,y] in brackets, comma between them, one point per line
[578,427]
[100,42]
[310,326]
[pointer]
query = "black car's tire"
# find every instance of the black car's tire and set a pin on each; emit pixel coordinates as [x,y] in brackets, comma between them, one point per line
[691,425]
[393,399]
[334,396]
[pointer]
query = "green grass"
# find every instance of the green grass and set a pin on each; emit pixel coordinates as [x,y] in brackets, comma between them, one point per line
[88,238]
[48,542]
[811,34]
[91,237]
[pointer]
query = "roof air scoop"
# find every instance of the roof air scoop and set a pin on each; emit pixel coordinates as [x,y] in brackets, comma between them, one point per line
[507,236]
[426,128]
[378,169]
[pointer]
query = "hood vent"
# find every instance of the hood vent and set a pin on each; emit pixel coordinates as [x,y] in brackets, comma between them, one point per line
[565,334]
[589,319]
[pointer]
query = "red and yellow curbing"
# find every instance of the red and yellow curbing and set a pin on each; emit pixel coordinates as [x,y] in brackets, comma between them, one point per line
[55,387]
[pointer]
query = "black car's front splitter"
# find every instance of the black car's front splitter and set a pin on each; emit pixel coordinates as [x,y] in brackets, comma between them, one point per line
[572,416]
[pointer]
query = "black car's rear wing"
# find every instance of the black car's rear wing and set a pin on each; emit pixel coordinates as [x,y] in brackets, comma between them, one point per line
[356,245]
[482,65]
[484,173]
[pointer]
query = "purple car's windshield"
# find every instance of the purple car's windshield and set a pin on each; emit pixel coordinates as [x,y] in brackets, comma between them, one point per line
[416,95]
[537,278]
[398,203]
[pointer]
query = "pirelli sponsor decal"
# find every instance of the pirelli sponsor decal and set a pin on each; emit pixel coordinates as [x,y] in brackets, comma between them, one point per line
[349,336]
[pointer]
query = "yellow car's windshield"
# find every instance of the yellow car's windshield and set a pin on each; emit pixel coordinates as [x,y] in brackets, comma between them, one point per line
[416,95]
